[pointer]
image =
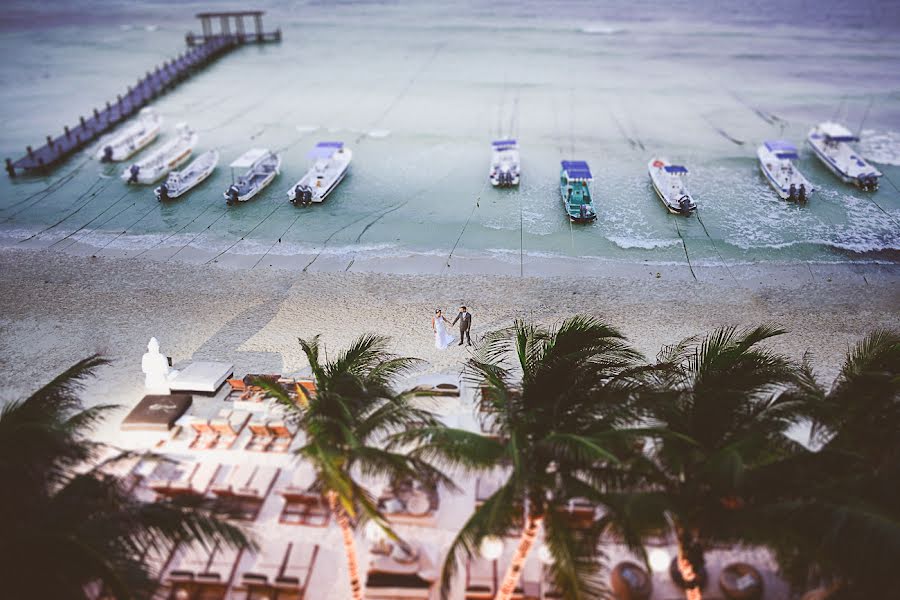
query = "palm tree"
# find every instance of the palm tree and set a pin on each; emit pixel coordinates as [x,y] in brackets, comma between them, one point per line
[719,407]
[842,523]
[347,421]
[555,402]
[67,530]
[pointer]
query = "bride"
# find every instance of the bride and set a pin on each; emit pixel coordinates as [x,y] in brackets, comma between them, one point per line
[442,337]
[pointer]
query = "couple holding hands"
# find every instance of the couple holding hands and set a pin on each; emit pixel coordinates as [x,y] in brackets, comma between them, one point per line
[440,325]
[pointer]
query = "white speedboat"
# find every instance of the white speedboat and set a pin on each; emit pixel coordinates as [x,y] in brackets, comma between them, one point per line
[776,163]
[134,137]
[504,163]
[670,185]
[170,155]
[262,165]
[331,161]
[180,182]
[831,143]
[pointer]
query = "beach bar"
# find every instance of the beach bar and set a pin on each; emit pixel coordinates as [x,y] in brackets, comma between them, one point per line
[202,49]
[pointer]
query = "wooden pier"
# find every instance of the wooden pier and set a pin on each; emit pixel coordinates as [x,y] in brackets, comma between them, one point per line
[202,49]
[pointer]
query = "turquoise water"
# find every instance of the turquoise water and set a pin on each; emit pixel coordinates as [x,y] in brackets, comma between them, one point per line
[419,91]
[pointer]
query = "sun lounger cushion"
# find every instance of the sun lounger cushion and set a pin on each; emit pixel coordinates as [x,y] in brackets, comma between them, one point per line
[202,376]
[156,412]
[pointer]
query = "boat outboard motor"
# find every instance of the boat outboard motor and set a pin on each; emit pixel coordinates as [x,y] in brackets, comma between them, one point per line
[107,154]
[233,194]
[802,195]
[684,203]
[302,195]
[162,192]
[792,193]
[583,211]
[134,170]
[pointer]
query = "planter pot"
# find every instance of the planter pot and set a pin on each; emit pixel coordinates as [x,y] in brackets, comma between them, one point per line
[630,582]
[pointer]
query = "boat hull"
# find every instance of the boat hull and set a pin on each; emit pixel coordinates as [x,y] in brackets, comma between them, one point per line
[671,209]
[199,178]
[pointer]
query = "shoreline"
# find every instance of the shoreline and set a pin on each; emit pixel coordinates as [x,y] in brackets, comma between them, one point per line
[490,262]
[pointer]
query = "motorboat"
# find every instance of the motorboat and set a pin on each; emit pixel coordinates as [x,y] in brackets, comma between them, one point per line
[504,163]
[262,165]
[776,161]
[132,138]
[831,144]
[574,187]
[330,164]
[180,182]
[669,182]
[170,155]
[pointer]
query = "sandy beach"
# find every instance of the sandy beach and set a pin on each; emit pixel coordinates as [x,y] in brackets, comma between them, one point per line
[56,308]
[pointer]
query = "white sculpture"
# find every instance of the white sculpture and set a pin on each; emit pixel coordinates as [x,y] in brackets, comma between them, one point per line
[156,368]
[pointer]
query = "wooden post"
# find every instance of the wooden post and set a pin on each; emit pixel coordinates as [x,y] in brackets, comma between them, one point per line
[239,24]
[10,169]
[259,30]
[226,28]
[66,130]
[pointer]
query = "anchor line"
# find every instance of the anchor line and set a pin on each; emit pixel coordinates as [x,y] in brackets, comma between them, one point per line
[179,230]
[713,244]
[284,233]
[85,203]
[245,234]
[881,208]
[334,233]
[686,255]
[47,192]
[475,205]
[198,234]
[412,80]
[100,214]
[141,218]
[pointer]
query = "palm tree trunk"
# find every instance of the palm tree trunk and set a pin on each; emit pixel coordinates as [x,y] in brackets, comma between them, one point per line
[356,588]
[514,572]
[688,576]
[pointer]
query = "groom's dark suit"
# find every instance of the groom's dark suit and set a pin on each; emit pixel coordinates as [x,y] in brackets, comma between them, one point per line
[465,324]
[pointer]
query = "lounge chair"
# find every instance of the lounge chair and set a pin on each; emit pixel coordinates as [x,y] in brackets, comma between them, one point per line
[193,558]
[262,437]
[482,581]
[302,504]
[282,436]
[238,477]
[281,567]
[205,437]
[228,425]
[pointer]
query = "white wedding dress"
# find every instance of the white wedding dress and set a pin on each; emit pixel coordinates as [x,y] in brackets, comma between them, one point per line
[442,337]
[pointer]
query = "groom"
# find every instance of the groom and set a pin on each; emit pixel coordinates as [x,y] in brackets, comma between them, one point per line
[465,324]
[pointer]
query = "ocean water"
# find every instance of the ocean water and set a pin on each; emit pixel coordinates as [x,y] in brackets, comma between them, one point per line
[418,90]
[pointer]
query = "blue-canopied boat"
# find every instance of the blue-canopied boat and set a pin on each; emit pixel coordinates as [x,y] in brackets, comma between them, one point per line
[669,183]
[504,163]
[831,144]
[574,187]
[330,163]
[776,163]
